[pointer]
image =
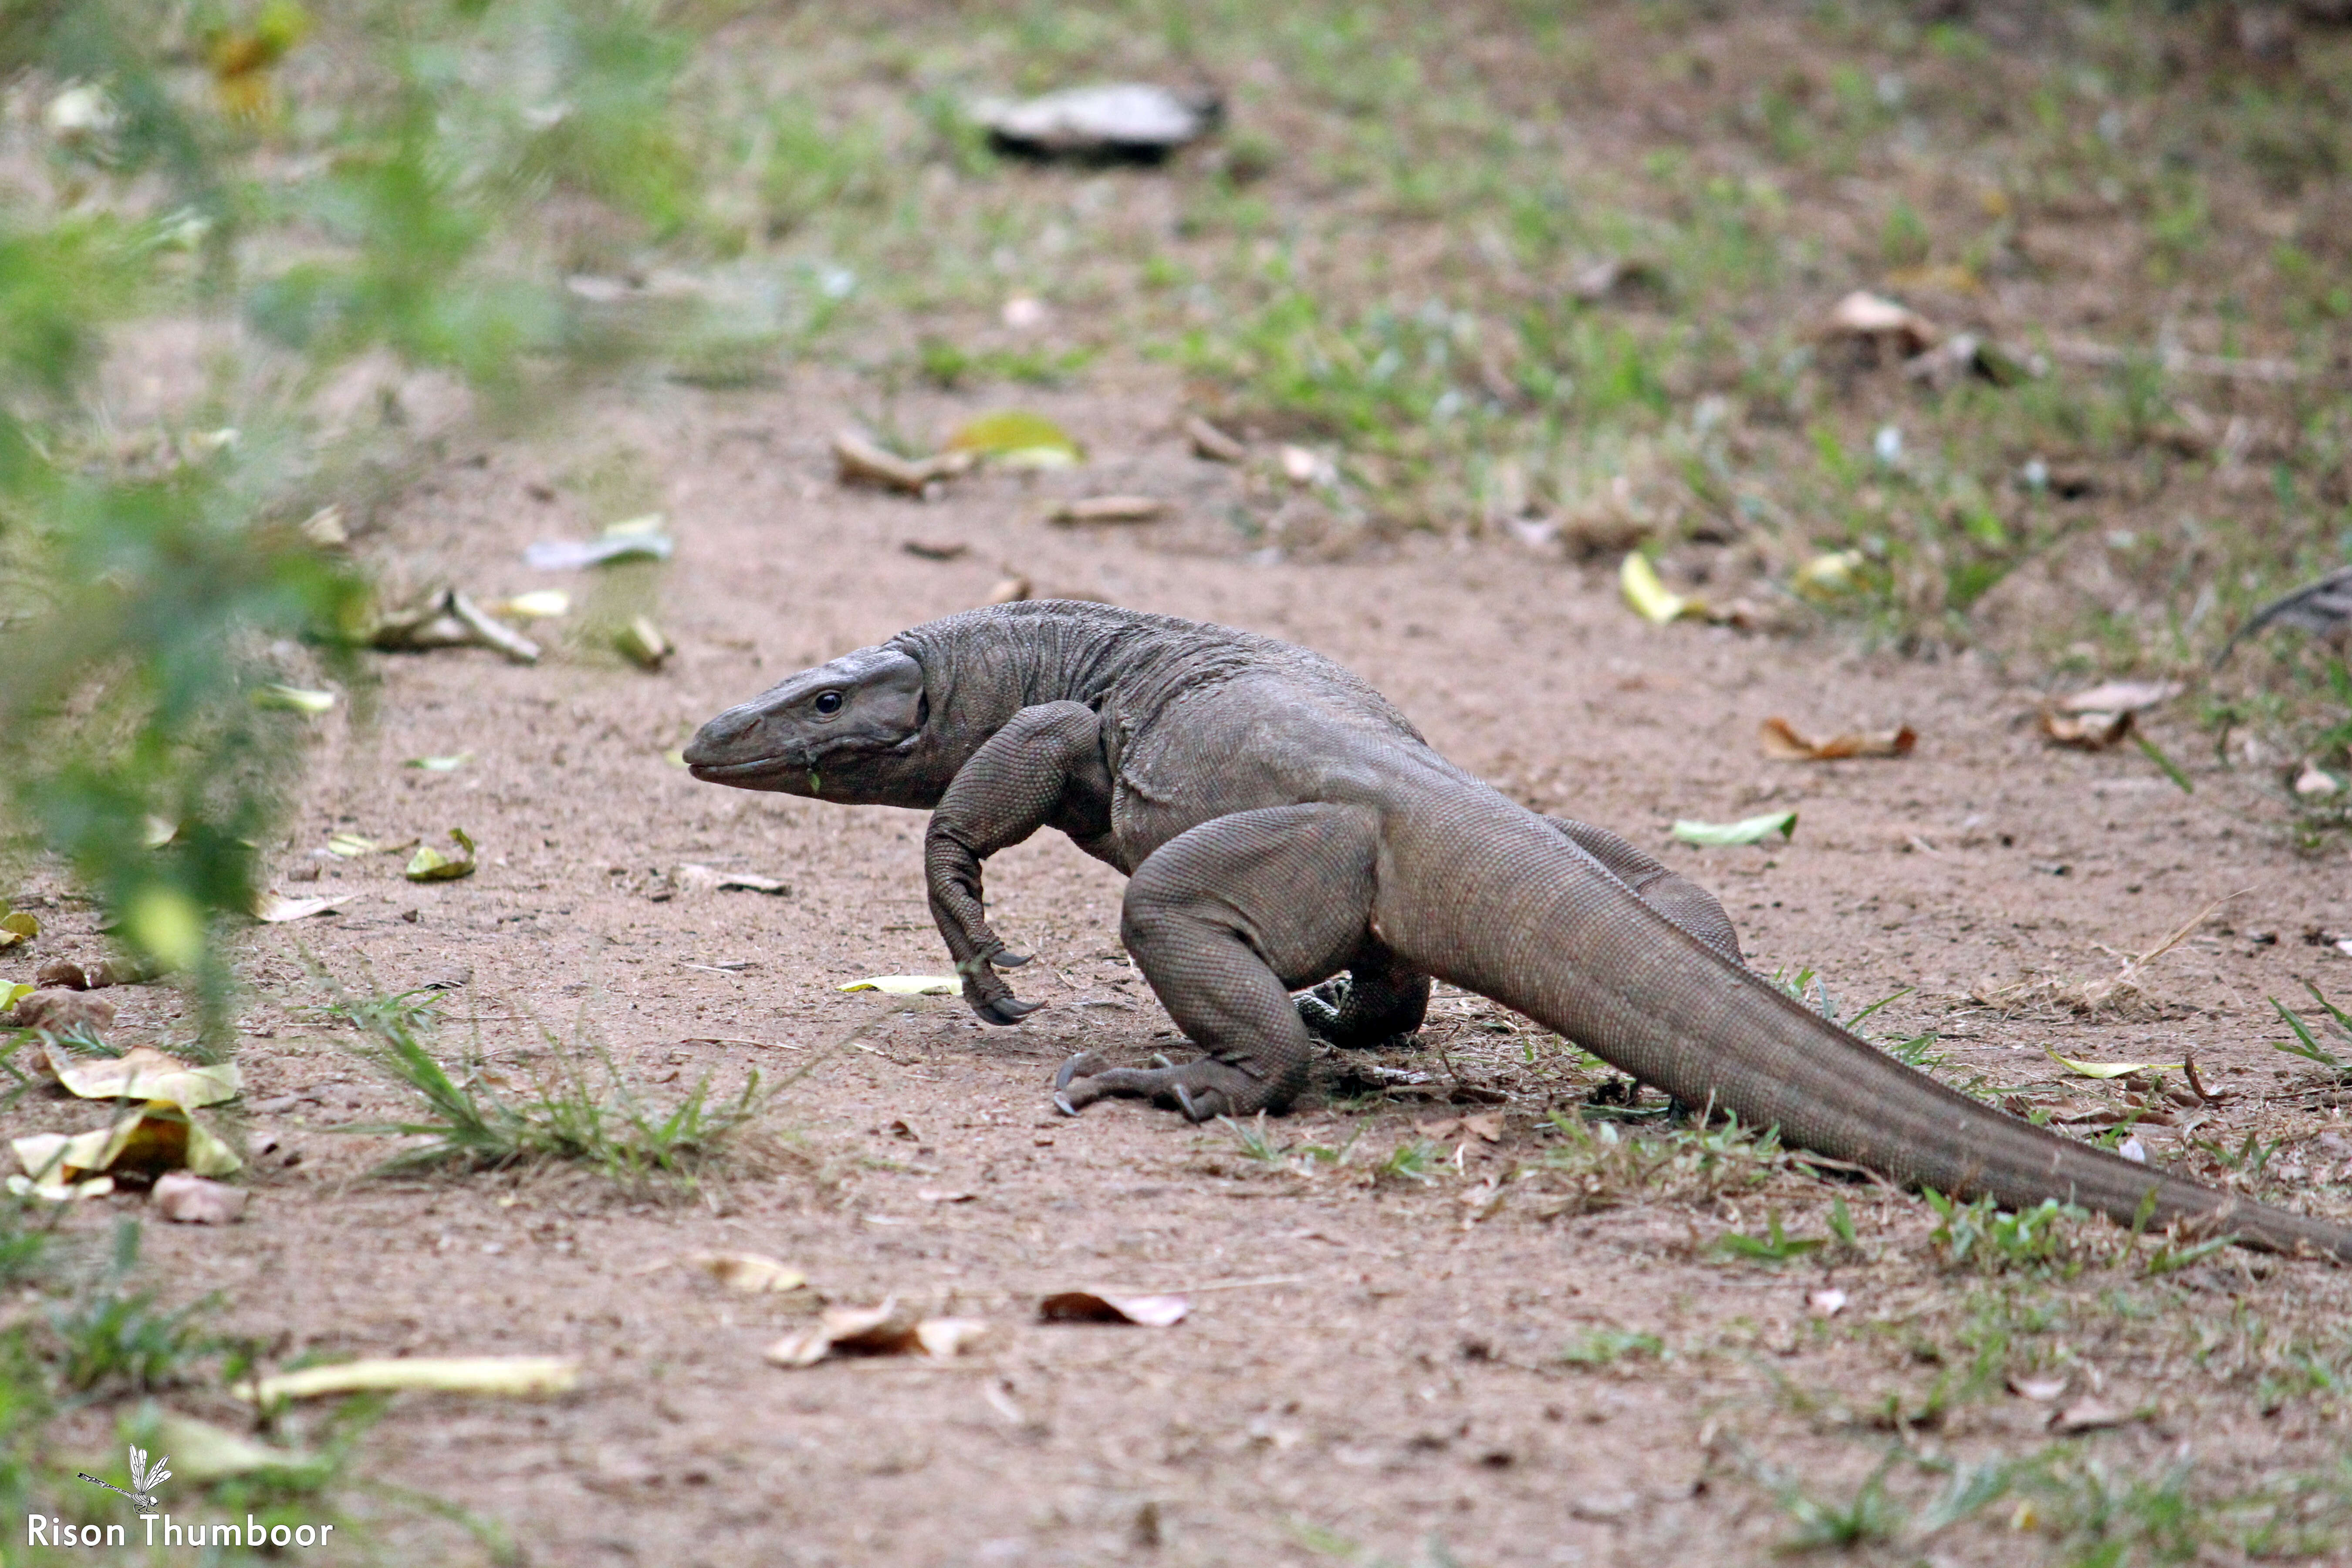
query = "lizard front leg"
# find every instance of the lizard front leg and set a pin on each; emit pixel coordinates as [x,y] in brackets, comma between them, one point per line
[1027,776]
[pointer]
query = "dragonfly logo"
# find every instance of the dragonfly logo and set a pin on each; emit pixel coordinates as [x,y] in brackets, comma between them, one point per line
[143,1480]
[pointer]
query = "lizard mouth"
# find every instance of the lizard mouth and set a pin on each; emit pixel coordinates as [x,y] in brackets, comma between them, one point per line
[731,773]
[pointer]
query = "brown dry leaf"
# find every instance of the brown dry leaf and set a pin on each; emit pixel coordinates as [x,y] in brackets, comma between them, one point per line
[750,1273]
[862,462]
[1783,742]
[154,1138]
[145,1073]
[935,549]
[2103,716]
[875,1331]
[447,618]
[2090,732]
[272,908]
[185,1198]
[1107,508]
[1098,1307]
[520,1376]
[1864,316]
[2087,1415]
[1486,1125]
[2121,697]
[1213,444]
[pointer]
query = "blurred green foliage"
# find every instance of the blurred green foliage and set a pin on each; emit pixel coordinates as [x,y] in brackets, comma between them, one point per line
[303,188]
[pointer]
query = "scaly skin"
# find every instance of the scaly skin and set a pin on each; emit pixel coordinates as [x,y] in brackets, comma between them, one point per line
[1281,822]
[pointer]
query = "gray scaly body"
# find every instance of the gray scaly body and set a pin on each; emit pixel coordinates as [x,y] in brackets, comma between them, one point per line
[1281,822]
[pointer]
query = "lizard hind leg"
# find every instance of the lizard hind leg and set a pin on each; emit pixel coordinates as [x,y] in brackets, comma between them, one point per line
[1223,919]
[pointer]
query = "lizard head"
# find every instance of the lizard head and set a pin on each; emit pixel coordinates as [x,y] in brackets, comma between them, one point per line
[849,731]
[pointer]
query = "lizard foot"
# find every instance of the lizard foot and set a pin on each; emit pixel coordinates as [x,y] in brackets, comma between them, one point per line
[1007,1009]
[1203,1090]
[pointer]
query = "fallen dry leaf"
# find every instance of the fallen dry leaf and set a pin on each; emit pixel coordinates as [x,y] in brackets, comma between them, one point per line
[17,927]
[274,908]
[2109,1069]
[1486,1125]
[201,1453]
[750,1273]
[936,549]
[2314,781]
[2041,1390]
[1866,316]
[430,865]
[861,461]
[1127,120]
[153,1140]
[642,644]
[143,1073]
[447,618]
[1016,439]
[1097,1307]
[1638,581]
[1826,1303]
[185,1198]
[1011,591]
[1107,508]
[60,1191]
[2121,697]
[1213,444]
[1749,830]
[2086,1416]
[1783,742]
[518,1377]
[873,1331]
[61,973]
[908,984]
[946,1195]
[634,539]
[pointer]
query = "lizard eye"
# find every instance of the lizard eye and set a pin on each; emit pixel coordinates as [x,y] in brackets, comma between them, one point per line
[827,704]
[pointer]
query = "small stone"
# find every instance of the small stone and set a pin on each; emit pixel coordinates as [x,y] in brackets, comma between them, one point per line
[187,1199]
[65,1012]
[60,974]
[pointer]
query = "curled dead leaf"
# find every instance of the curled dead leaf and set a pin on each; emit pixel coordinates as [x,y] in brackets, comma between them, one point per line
[875,1331]
[430,865]
[1107,508]
[145,1073]
[2089,731]
[447,618]
[1895,330]
[1099,1306]
[750,1273]
[1783,743]
[153,1138]
[2041,1390]
[1213,444]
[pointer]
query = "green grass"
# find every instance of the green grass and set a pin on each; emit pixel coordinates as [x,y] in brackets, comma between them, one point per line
[1608,1346]
[586,1112]
[1987,1237]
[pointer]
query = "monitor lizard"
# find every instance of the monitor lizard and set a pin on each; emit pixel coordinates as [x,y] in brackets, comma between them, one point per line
[1280,823]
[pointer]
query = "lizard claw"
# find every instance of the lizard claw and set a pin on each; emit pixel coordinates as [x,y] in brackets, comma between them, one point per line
[1086,1064]
[1207,1106]
[1009,959]
[1006,1009]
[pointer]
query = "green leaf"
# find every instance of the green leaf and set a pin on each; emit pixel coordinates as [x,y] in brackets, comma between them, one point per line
[430,865]
[1751,830]
[1018,439]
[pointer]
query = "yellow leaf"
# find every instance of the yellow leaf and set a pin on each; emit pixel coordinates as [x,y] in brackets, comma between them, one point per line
[1016,438]
[908,985]
[1638,580]
[518,1376]
[144,1073]
[20,925]
[202,1452]
[430,865]
[2109,1069]
[1830,575]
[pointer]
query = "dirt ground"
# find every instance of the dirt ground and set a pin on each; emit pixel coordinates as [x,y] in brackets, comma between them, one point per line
[1370,1364]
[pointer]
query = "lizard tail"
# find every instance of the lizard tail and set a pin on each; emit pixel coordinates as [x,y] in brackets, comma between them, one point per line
[1545,931]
